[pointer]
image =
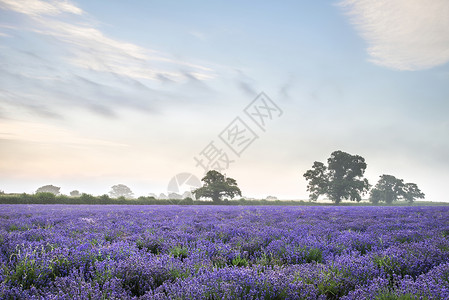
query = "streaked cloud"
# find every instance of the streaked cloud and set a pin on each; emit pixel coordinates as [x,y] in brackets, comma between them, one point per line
[199,35]
[91,49]
[402,34]
[42,133]
[74,63]
[38,8]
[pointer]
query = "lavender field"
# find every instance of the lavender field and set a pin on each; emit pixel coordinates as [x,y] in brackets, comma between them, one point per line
[223,252]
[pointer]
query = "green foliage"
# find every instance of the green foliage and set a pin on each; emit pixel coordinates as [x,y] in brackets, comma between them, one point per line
[390,189]
[45,197]
[75,193]
[314,254]
[363,247]
[48,189]
[387,189]
[187,201]
[87,198]
[216,186]
[239,262]
[318,178]
[121,190]
[24,273]
[102,275]
[329,284]
[60,266]
[95,200]
[176,273]
[376,196]
[389,265]
[152,246]
[179,252]
[341,179]
[389,295]
[411,192]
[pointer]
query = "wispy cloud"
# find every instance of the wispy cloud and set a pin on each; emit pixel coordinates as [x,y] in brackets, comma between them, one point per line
[39,8]
[72,62]
[199,35]
[93,50]
[402,34]
[48,134]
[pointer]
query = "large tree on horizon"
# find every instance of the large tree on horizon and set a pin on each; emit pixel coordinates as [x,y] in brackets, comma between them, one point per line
[341,179]
[216,185]
[388,189]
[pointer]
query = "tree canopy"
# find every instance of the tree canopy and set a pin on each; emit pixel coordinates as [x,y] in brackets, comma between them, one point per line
[48,189]
[411,192]
[216,186]
[75,193]
[341,179]
[121,190]
[389,189]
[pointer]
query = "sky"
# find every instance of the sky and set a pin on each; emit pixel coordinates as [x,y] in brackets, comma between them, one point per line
[98,93]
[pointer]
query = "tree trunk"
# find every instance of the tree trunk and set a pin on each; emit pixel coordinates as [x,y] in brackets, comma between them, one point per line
[216,197]
[338,200]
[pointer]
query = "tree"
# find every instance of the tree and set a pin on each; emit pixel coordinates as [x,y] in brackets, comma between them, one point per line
[411,192]
[375,196]
[341,179]
[174,196]
[121,190]
[389,189]
[318,178]
[216,185]
[48,189]
[75,193]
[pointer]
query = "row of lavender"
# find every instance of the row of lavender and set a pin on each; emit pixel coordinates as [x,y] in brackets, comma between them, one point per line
[217,252]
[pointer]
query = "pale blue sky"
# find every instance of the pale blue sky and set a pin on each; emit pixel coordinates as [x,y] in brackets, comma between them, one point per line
[95,93]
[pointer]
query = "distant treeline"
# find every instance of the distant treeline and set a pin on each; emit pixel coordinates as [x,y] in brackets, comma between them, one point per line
[49,198]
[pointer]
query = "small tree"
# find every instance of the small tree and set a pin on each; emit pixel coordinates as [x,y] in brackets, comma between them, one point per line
[75,193]
[48,189]
[341,179]
[390,189]
[216,185]
[121,190]
[174,196]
